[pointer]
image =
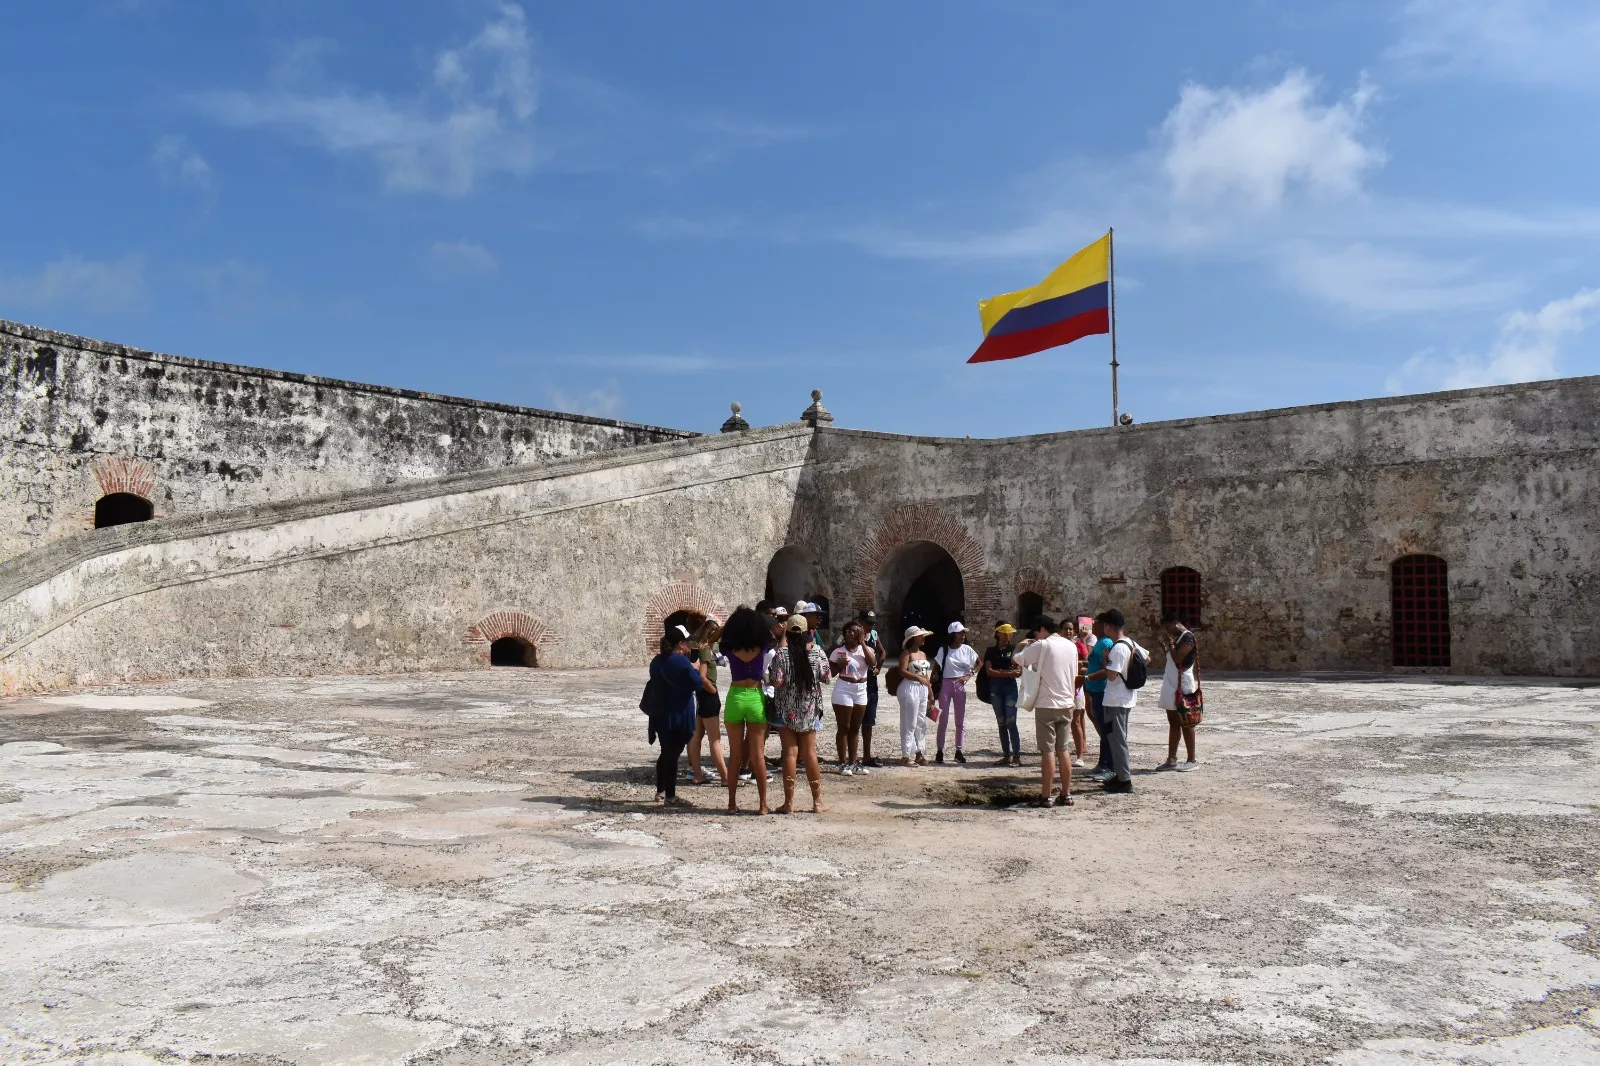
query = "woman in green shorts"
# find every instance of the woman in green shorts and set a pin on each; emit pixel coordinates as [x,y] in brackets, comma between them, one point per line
[745,639]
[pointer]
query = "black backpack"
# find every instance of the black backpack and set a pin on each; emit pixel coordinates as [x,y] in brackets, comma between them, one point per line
[1138,671]
[654,701]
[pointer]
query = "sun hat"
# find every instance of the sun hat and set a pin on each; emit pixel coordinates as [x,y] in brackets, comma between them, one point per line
[955,627]
[1005,627]
[916,631]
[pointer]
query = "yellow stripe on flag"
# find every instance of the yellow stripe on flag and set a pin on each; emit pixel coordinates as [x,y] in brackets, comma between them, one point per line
[1091,266]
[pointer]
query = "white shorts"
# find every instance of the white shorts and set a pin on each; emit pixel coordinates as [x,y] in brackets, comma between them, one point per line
[849,693]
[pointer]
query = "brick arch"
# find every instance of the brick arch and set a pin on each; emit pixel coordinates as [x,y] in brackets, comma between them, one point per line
[1031,579]
[684,594]
[906,523]
[125,474]
[510,623]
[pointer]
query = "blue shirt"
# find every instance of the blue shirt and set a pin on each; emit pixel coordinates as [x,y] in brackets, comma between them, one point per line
[679,680]
[1097,661]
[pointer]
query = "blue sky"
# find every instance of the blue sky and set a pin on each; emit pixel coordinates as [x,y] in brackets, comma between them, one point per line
[648,210]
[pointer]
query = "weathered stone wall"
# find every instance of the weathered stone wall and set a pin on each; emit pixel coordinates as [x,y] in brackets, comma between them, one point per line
[1291,517]
[80,419]
[581,558]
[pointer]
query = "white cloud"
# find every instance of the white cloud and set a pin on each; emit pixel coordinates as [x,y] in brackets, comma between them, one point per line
[1527,349]
[602,402]
[73,281]
[1377,280]
[1251,147]
[1537,42]
[461,257]
[179,164]
[473,119]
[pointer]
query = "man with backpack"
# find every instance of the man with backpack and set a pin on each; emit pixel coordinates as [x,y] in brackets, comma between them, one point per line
[1127,667]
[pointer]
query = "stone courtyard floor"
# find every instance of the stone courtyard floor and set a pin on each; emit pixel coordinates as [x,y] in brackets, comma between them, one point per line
[465,869]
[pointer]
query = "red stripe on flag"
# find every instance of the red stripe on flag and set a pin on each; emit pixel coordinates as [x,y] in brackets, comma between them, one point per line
[1026,342]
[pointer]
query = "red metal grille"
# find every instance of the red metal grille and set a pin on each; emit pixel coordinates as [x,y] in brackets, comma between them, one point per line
[1419,605]
[1180,594]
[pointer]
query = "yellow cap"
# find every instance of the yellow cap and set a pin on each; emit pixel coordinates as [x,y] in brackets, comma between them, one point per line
[1005,627]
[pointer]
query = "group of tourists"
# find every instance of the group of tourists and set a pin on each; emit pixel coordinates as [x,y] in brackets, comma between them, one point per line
[782,673]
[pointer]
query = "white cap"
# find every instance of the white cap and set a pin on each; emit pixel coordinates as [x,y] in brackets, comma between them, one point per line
[799,607]
[955,627]
[682,630]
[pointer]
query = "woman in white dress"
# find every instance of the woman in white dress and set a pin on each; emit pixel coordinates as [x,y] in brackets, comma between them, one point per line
[914,692]
[1180,690]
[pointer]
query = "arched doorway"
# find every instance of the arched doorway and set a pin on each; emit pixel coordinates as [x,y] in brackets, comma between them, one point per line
[120,508]
[793,575]
[1030,608]
[919,584]
[512,651]
[1419,610]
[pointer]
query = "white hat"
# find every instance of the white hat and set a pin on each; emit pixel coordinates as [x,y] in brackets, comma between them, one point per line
[799,607]
[955,627]
[916,631]
[780,611]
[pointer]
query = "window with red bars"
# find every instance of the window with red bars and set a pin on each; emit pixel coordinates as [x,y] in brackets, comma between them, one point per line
[1180,594]
[1419,610]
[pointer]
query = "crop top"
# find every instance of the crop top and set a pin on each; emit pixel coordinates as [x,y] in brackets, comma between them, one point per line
[739,670]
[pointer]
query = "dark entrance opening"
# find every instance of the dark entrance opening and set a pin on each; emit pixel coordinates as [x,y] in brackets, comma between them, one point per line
[1030,608]
[512,651]
[120,508]
[921,585]
[1419,610]
[792,576]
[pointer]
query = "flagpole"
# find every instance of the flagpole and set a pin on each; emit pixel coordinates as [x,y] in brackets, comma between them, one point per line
[1111,277]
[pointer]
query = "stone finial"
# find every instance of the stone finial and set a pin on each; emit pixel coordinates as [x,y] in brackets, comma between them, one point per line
[816,414]
[735,422]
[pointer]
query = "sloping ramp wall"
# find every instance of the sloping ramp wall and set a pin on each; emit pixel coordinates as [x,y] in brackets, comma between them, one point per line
[571,556]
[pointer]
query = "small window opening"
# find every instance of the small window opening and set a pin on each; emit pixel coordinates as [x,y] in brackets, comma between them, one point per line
[1030,608]
[1180,594]
[512,651]
[120,508]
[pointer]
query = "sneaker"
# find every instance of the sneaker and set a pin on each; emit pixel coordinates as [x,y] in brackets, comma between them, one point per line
[1004,760]
[1016,760]
[746,777]
[1077,763]
[1168,765]
[845,769]
[960,757]
[939,758]
[861,771]
[1185,766]
[1101,775]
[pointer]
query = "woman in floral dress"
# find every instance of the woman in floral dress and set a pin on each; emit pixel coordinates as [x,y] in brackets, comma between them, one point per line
[797,674]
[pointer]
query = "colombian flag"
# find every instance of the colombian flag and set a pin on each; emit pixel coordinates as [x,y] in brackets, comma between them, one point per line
[1072,302]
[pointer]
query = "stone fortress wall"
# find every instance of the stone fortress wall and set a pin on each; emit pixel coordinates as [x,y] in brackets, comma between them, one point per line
[1287,524]
[81,420]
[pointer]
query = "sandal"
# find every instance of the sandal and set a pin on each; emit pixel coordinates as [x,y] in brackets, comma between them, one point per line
[1065,800]
[1038,801]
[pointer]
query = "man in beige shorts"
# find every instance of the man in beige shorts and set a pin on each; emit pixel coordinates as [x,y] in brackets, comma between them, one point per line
[1056,659]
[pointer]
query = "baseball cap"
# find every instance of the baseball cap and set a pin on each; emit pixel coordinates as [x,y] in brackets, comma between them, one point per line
[811,608]
[955,627]
[780,611]
[680,630]
[797,624]
[799,607]
[869,615]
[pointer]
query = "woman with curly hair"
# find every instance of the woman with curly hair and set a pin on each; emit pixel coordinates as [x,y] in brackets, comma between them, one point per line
[798,672]
[745,639]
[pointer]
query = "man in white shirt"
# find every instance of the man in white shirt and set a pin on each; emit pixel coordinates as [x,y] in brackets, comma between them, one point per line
[1056,659]
[1119,699]
[957,663]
